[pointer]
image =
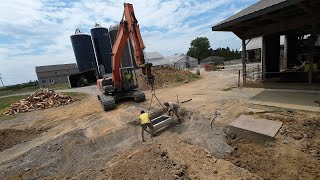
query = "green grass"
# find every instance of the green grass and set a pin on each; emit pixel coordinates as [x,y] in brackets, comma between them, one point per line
[32,89]
[59,86]
[6,102]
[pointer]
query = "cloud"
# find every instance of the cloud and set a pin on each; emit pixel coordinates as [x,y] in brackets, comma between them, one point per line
[37,32]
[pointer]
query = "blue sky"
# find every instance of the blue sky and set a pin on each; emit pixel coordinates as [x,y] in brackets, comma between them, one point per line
[37,32]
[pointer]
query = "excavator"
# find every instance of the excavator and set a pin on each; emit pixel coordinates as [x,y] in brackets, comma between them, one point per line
[123,84]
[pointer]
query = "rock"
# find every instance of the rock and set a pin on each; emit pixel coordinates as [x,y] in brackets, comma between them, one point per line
[231,135]
[215,172]
[209,156]
[180,173]
[26,169]
[269,144]
[298,136]
[163,153]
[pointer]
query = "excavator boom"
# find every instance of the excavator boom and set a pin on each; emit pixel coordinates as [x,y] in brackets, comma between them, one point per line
[129,28]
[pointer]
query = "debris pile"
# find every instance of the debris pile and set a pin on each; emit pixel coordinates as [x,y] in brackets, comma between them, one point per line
[166,77]
[41,99]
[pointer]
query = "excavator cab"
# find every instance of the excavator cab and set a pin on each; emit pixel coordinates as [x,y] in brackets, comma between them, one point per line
[129,80]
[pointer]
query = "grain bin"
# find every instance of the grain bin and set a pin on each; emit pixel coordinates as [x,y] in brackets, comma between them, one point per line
[102,47]
[83,51]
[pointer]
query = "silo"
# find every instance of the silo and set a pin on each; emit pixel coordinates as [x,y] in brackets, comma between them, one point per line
[127,54]
[83,51]
[102,47]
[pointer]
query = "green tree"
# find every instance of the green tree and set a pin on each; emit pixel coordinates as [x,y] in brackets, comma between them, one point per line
[200,48]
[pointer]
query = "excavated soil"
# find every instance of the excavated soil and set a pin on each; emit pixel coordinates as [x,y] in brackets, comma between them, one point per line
[11,137]
[83,142]
[295,154]
[167,77]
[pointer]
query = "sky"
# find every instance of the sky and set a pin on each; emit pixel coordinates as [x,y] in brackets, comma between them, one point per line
[37,32]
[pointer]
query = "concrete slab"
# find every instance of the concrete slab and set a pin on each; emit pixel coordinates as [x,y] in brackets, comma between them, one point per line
[260,126]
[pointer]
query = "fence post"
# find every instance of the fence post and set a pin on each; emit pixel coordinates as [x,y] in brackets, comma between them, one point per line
[253,73]
[258,70]
[239,78]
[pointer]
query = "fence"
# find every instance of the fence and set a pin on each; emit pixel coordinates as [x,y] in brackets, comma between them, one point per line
[255,74]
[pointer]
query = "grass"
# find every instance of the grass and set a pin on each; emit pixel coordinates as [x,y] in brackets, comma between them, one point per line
[6,102]
[32,89]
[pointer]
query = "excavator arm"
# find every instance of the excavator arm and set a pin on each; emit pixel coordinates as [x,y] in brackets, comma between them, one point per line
[129,28]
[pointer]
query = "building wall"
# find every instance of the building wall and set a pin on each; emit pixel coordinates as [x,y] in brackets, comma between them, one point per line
[186,62]
[54,77]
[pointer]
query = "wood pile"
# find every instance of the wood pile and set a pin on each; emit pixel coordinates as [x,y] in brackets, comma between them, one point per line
[41,99]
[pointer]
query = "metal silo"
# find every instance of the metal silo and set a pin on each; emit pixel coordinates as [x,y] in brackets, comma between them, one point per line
[127,54]
[102,47]
[83,51]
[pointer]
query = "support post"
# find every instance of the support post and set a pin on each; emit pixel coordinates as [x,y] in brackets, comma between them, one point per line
[239,78]
[244,71]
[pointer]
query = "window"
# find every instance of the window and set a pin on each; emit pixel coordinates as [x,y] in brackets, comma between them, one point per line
[51,81]
[43,81]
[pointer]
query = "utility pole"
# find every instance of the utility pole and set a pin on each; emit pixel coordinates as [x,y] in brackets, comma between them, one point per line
[1,80]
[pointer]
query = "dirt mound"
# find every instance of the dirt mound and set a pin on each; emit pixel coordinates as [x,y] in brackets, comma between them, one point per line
[166,77]
[11,137]
[294,155]
[148,161]
[41,99]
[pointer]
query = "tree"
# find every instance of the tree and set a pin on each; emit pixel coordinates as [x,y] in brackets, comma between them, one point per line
[200,48]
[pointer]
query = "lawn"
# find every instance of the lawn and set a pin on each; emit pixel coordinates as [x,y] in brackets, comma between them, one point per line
[32,89]
[5,102]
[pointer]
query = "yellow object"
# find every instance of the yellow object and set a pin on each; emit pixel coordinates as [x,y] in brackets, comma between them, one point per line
[307,68]
[128,76]
[144,118]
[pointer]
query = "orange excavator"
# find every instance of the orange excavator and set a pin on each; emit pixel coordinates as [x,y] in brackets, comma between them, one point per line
[123,83]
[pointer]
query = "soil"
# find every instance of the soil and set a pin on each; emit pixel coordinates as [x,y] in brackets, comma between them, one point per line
[167,77]
[81,141]
[294,155]
[11,137]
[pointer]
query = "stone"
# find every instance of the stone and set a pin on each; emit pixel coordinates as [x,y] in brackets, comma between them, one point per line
[209,156]
[163,153]
[215,172]
[269,144]
[298,136]
[26,169]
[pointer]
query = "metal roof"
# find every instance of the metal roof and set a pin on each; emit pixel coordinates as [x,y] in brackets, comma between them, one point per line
[257,9]
[57,67]
[153,55]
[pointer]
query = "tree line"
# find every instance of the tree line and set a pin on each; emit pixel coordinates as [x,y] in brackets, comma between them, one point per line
[200,49]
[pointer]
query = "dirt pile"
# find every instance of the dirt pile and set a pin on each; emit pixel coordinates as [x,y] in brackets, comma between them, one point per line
[41,99]
[294,155]
[166,77]
[11,137]
[172,158]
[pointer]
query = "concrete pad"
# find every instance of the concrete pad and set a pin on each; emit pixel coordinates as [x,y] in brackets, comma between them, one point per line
[260,126]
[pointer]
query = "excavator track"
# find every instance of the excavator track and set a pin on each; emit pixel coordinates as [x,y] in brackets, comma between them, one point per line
[107,102]
[139,96]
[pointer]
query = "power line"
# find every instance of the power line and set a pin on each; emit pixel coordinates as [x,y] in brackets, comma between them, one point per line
[1,80]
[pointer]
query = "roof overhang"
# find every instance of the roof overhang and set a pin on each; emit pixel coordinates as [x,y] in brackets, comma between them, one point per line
[271,16]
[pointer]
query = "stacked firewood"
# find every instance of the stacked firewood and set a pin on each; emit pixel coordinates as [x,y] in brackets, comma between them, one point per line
[41,99]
